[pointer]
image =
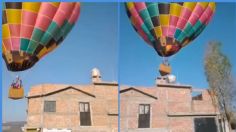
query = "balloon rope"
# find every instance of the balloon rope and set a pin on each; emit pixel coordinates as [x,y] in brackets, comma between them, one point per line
[26,73]
[12,74]
[165,61]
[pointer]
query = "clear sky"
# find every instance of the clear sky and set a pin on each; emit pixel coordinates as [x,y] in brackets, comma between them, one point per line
[138,65]
[91,43]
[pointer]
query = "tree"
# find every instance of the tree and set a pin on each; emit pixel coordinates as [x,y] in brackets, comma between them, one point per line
[218,71]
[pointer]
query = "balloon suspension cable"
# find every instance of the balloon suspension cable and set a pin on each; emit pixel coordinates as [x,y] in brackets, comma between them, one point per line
[17,82]
[21,74]
[165,61]
[165,68]
[12,74]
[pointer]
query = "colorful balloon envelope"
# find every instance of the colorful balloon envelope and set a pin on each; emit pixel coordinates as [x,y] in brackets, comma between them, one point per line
[168,27]
[30,30]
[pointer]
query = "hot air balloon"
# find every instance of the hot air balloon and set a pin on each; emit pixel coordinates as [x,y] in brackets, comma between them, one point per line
[30,30]
[168,27]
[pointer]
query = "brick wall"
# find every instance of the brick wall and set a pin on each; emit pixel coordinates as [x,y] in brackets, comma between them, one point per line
[67,113]
[173,110]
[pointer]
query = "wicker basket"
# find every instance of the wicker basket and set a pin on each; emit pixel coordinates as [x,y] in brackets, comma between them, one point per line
[164,69]
[16,93]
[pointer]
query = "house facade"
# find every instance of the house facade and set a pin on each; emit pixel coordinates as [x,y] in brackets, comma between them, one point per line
[168,107]
[73,108]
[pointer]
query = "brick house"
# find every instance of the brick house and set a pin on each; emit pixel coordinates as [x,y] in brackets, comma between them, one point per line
[73,108]
[168,107]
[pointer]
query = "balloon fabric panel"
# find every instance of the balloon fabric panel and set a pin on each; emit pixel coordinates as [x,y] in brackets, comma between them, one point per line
[168,27]
[33,29]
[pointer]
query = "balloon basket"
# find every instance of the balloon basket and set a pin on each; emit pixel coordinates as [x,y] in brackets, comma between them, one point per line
[164,69]
[16,93]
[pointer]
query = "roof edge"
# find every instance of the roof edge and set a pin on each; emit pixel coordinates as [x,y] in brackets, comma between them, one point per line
[174,86]
[106,83]
[137,90]
[60,90]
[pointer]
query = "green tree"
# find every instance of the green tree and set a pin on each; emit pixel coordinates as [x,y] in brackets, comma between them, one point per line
[218,71]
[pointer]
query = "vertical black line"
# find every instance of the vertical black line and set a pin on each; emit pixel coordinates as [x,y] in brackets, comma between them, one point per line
[118,60]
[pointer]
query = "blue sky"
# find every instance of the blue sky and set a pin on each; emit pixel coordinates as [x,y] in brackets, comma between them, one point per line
[139,62]
[91,43]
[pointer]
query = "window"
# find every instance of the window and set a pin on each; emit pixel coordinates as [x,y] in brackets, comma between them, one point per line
[205,125]
[144,116]
[49,106]
[85,119]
